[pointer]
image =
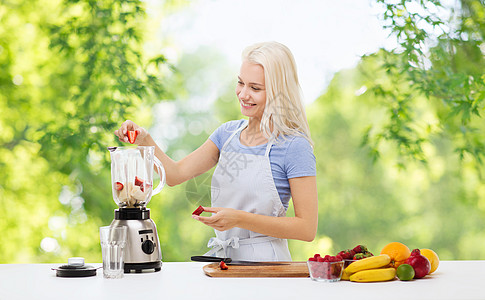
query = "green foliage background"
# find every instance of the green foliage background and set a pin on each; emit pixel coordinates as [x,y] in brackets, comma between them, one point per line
[399,139]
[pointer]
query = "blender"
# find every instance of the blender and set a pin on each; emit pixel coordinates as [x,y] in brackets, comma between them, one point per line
[132,185]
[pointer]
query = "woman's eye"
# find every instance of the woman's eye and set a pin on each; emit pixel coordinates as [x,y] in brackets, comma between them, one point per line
[256,89]
[240,82]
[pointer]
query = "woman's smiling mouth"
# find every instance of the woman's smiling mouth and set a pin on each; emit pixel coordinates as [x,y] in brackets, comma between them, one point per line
[247,104]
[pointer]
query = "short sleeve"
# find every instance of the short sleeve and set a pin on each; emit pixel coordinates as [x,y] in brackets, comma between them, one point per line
[300,160]
[216,137]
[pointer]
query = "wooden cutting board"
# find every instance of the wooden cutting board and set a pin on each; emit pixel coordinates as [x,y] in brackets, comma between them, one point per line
[287,269]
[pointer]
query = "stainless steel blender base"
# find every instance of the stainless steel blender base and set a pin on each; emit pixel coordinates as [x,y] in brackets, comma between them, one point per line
[142,250]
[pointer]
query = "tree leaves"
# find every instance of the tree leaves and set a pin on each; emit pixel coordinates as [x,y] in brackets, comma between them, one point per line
[440,58]
[79,71]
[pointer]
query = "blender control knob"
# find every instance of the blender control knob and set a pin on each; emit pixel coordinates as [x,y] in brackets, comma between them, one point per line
[148,247]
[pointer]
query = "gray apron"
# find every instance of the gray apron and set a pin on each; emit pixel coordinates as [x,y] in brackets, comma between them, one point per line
[245,182]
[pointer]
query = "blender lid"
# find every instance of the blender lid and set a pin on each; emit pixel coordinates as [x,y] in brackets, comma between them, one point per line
[75,268]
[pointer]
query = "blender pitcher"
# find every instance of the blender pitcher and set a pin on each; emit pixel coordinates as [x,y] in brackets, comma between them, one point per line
[132,175]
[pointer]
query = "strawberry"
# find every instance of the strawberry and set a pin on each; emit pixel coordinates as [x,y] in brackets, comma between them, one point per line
[198,210]
[346,254]
[312,259]
[360,249]
[132,136]
[119,186]
[223,265]
[358,256]
[138,181]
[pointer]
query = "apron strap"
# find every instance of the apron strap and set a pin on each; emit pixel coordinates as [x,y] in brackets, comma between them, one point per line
[268,148]
[244,124]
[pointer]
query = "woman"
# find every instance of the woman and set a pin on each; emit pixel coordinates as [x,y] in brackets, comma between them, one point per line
[261,162]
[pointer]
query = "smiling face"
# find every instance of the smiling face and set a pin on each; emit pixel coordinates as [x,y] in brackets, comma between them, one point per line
[250,90]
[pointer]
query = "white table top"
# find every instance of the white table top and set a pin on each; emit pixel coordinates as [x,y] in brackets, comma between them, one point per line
[185,280]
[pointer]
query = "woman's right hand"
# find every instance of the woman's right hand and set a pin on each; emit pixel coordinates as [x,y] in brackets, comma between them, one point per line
[122,132]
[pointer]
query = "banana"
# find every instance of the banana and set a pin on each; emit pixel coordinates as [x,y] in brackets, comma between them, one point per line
[345,275]
[373,275]
[367,263]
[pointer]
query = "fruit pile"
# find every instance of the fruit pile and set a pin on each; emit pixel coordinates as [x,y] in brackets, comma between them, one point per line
[420,264]
[358,252]
[394,260]
[370,269]
[327,268]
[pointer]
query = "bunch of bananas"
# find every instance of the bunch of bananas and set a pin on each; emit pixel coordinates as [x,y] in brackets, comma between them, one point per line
[370,269]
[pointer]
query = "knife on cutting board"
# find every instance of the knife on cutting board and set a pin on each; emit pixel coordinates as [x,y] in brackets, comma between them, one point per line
[229,261]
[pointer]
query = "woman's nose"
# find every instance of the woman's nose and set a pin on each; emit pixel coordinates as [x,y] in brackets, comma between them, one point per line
[243,93]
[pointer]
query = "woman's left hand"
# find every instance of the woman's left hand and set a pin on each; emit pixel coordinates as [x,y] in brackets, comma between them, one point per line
[222,219]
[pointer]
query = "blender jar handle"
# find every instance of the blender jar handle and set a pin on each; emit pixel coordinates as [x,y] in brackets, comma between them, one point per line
[161,172]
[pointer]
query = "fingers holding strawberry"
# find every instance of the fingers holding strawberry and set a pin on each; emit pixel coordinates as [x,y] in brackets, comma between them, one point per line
[222,218]
[130,132]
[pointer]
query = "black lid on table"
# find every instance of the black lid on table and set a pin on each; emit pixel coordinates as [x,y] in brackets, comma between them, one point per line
[75,268]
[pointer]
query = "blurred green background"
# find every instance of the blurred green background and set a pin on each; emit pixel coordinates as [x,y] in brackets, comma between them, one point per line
[399,139]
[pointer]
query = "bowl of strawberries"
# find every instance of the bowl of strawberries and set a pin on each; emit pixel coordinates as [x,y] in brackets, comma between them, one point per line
[328,268]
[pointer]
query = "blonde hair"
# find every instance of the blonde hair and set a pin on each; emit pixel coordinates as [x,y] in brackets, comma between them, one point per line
[284,110]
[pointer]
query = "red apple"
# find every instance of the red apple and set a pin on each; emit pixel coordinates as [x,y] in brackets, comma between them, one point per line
[419,263]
